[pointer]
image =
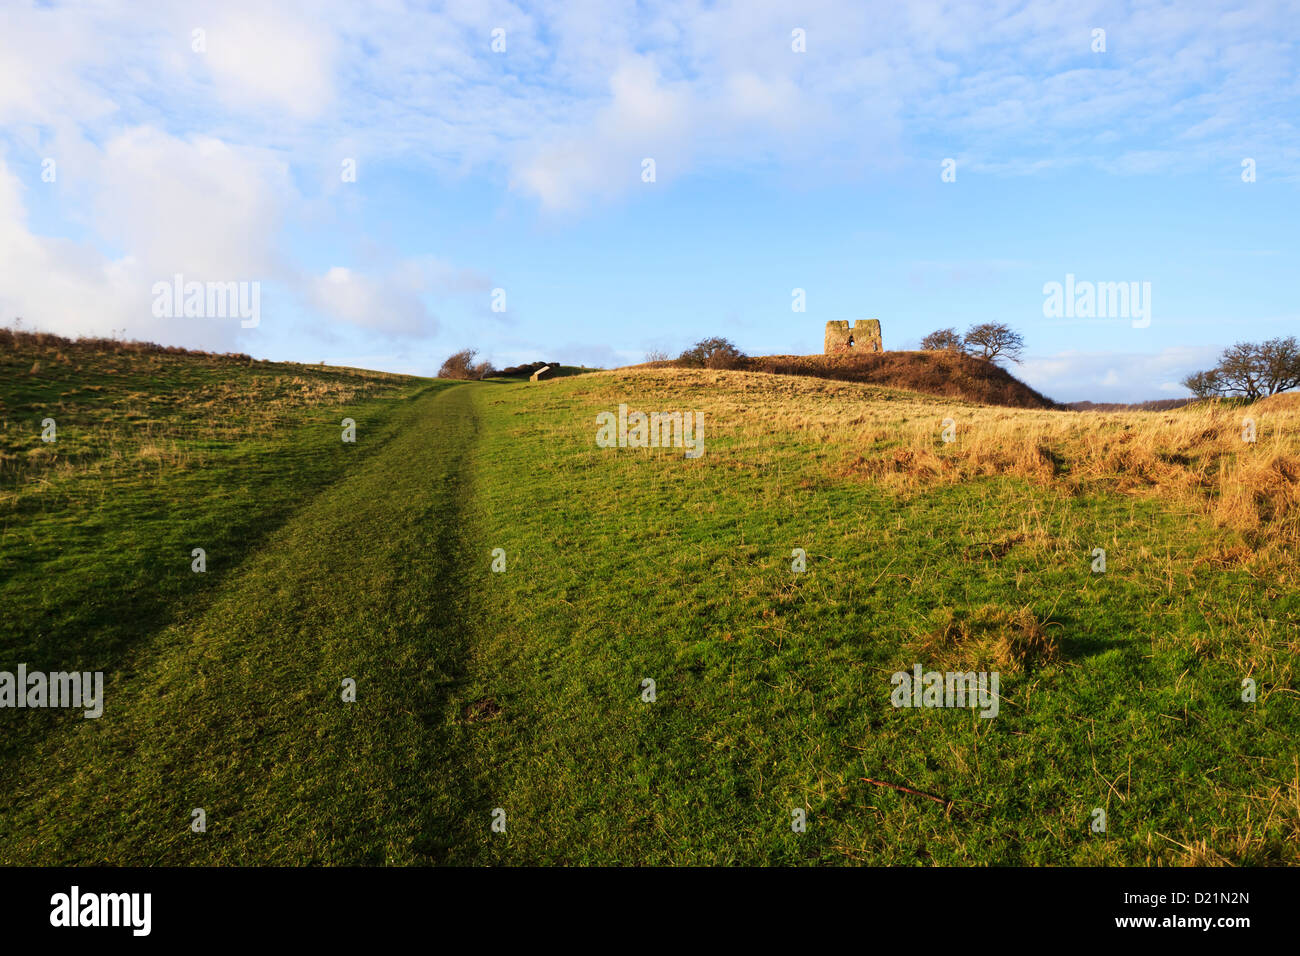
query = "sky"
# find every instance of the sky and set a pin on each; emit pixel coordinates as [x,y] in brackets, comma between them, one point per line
[397,181]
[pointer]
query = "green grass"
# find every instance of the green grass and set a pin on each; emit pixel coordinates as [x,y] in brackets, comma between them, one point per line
[522,690]
[773,687]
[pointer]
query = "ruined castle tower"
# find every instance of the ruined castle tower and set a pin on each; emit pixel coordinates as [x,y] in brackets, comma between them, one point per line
[863,337]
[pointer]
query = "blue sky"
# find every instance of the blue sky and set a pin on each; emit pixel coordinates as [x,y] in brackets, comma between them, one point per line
[218,154]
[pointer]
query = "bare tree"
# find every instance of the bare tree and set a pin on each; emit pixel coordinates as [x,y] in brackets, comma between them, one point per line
[993,340]
[1251,370]
[1204,384]
[942,340]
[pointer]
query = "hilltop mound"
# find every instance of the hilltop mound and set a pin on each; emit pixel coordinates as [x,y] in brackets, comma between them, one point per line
[946,374]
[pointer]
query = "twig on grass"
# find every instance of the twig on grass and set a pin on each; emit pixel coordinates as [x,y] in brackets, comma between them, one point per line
[902,789]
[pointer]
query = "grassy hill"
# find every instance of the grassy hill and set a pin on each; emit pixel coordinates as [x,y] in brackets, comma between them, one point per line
[524,689]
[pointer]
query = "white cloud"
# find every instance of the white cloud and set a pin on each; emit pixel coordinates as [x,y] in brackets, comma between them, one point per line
[45,55]
[58,285]
[425,82]
[394,301]
[1114,376]
[198,207]
[383,304]
[211,212]
[645,118]
[256,54]
[585,91]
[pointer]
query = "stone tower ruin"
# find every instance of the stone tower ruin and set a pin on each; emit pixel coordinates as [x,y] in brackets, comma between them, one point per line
[863,337]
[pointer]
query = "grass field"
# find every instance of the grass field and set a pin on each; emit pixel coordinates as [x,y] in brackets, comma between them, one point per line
[522,690]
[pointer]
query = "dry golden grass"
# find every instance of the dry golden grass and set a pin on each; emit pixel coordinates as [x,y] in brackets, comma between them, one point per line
[1197,455]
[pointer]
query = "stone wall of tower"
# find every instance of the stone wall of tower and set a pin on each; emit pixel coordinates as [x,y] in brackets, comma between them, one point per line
[864,336]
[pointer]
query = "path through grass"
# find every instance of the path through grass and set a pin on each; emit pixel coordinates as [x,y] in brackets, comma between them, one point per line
[238,709]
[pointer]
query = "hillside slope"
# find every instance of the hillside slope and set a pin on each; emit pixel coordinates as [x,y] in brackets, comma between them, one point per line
[673,655]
